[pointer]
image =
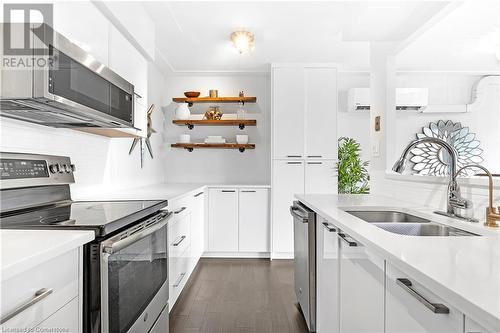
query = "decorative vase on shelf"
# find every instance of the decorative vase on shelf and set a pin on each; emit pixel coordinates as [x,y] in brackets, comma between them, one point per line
[240,113]
[182,112]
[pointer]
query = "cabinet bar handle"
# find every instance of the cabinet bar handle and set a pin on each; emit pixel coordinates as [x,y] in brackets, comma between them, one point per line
[39,295]
[179,241]
[344,238]
[296,163]
[180,210]
[330,227]
[314,162]
[294,156]
[228,191]
[314,156]
[248,191]
[179,280]
[434,307]
[198,194]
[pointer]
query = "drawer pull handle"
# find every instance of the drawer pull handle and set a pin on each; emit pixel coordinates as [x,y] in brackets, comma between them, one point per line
[248,191]
[294,156]
[39,295]
[434,307]
[314,156]
[179,241]
[344,238]
[294,163]
[198,194]
[330,227]
[314,162]
[179,280]
[228,191]
[180,210]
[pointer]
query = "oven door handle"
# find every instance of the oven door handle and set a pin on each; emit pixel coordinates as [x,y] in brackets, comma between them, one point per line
[123,243]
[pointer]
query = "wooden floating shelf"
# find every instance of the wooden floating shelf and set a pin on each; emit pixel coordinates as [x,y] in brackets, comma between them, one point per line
[191,101]
[191,146]
[241,123]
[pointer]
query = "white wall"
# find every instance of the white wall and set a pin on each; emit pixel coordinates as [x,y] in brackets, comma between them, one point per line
[215,165]
[102,164]
[353,124]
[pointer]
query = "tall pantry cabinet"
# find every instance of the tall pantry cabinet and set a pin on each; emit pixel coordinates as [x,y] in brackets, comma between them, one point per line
[304,141]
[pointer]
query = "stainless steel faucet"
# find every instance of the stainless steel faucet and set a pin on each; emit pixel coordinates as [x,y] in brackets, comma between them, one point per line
[455,200]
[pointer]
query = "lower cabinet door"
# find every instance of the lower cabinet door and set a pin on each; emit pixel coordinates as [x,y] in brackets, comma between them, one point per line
[410,307]
[223,220]
[473,327]
[253,220]
[66,319]
[362,276]
[327,281]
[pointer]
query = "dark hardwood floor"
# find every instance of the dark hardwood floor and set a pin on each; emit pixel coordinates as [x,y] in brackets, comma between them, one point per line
[238,295]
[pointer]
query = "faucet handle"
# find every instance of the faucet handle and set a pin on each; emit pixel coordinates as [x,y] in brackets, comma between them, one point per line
[458,202]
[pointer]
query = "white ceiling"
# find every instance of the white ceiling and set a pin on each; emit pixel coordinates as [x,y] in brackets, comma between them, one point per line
[194,36]
[464,40]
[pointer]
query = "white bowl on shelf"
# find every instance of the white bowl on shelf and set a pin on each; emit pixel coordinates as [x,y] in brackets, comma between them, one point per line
[242,139]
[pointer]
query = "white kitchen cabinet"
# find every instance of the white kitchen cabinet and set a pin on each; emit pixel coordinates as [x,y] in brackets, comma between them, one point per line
[410,307]
[327,281]
[223,220]
[66,319]
[288,112]
[320,176]
[288,180]
[253,219]
[56,283]
[321,112]
[126,61]
[84,25]
[473,327]
[197,227]
[361,287]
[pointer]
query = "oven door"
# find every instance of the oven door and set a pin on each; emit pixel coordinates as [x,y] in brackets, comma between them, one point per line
[134,276]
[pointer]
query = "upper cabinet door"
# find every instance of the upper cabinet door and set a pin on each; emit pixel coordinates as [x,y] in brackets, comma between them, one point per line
[321,112]
[84,25]
[288,112]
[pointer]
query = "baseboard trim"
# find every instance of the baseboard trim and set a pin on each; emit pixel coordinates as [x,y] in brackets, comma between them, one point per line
[236,255]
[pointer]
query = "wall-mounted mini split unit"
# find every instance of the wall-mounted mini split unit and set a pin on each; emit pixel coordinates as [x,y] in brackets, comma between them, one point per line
[407,99]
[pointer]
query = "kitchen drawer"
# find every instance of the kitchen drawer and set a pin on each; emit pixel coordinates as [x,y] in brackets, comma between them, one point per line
[178,275]
[65,319]
[179,237]
[59,275]
[411,307]
[180,206]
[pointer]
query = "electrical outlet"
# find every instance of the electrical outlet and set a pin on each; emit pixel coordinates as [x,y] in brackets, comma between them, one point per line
[376,148]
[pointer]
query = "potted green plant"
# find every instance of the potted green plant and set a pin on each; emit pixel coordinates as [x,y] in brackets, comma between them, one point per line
[353,174]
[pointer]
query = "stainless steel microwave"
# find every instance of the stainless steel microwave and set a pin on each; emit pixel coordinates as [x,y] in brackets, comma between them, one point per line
[70,89]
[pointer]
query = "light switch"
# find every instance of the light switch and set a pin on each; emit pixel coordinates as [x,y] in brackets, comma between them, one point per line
[376,148]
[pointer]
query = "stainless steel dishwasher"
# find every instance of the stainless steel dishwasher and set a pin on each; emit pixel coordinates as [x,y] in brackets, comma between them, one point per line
[304,231]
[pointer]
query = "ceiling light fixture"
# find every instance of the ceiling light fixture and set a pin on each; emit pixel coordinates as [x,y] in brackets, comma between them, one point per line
[243,41]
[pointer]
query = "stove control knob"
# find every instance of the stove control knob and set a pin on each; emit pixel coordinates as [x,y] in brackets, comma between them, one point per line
[54,168]
[60,168]
[73,167]
[66,168]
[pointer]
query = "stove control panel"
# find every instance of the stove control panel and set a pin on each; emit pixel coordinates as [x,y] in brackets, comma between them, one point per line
[18,170]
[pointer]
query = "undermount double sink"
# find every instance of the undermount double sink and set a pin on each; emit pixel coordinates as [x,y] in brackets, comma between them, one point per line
[406,224]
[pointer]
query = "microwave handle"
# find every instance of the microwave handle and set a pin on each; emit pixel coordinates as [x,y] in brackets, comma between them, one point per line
[122,243]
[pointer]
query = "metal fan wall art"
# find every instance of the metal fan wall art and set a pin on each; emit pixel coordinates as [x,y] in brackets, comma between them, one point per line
[431,159]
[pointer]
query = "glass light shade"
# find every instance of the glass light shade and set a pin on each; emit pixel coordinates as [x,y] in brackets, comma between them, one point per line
[243,41]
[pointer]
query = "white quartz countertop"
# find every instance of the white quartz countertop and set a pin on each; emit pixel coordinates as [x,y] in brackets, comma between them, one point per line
[162,191]
[464,271]
[22,250]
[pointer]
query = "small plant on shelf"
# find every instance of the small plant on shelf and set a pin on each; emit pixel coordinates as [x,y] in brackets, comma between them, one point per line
[353,174]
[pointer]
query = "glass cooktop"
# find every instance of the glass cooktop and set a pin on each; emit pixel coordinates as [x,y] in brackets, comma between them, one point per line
[102,216]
